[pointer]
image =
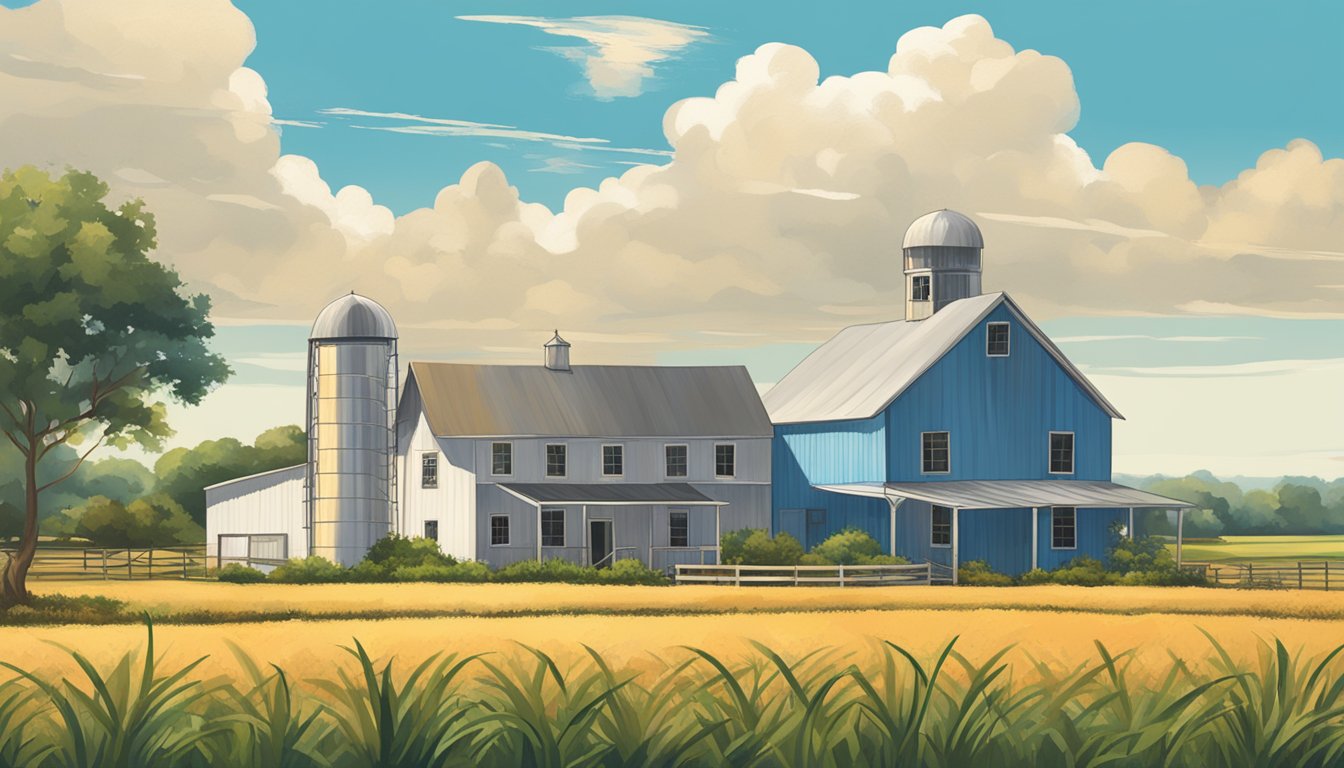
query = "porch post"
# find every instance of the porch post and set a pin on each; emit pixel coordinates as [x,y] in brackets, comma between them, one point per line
[538,533]
[587,555]
[1130,529]
[1035,536]
[1180,529]
[718,535]
[894,504]
[956,561]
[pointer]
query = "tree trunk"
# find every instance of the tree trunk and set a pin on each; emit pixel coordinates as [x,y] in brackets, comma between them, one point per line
[15,584]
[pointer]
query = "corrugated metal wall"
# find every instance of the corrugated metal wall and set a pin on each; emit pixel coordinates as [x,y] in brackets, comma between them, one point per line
[829,452]
[1094,536]
[271,503]
[999,411]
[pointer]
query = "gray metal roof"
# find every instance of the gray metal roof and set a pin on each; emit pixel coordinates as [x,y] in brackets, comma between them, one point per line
[1010,494]
[944,228]
[863,368]
[462,400]
[610,493]
[353,317]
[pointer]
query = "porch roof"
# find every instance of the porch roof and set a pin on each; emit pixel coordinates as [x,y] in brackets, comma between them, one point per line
[1008,494]
[615,494]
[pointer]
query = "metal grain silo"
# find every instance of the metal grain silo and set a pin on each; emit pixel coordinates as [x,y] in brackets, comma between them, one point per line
[942,262]
[352,436]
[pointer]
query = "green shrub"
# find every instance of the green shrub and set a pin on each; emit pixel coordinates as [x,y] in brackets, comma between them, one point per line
[313,569]
[468,571]
[1084,571]
[236,573]
[394,553]
[1033,577]
[851,546]
[753,546]
[631,571]
[977,573]
[555,569]
[64,609]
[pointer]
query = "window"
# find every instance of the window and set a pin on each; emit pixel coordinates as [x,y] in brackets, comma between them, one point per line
[940,526]
[996,340]
[613,460]
[919,288]
[678,529]
[432,530]
[552,527]
[935,452]
[1061,453]
[1063,528]
[676,460]
[725,460]
[429,470]
[499,530]
[555,460]
[501,458]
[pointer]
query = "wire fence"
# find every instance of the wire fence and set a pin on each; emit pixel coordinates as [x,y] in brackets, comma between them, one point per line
[1301,574]
[112,563]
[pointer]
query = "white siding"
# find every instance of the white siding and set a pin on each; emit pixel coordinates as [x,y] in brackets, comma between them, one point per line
[644,460]
[452,503]
[269,503]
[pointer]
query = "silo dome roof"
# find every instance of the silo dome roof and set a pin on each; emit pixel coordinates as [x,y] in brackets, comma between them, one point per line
[943,228]
[354,317]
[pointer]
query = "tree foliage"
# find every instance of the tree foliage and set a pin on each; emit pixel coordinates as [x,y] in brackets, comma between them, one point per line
[93,333]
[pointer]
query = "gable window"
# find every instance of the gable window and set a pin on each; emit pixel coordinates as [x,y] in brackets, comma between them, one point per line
[996,339]
[675,457]
[1063,528]
[555,460]
[725,460]
[1061,453]
[499,530]
[919,288]
[552,527]
[613,460]
[678,529]
[940,526]
[501,458]
[936,454]
[432,530]
[429,470]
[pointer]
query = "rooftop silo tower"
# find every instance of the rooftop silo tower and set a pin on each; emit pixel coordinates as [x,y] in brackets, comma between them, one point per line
[942,262]
[352,435]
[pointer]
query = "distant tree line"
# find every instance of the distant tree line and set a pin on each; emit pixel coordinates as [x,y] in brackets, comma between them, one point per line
[119,502]
[1301,506]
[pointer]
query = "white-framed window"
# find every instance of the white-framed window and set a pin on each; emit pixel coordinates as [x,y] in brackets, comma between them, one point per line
[613,460]
[940,526]
[997,337]
[429,470]
[725,460]
[935,453]
[1061,453]
[920,287]
[557,457]
[1063,528]
[432,530]
[499,530]
[678,528]
[676,460]
[552,527]
[501,458]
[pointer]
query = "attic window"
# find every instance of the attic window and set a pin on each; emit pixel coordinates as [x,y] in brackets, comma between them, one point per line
[919,288]
[996,339]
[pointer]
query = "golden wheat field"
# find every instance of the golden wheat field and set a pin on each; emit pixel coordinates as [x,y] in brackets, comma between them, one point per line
[1054,624]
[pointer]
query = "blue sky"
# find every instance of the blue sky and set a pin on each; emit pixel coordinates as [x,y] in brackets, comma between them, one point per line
[1192,309]
[1215,83]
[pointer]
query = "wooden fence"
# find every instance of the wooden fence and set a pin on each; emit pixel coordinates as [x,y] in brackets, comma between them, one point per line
[799,575]
[1321,574]
[115,563]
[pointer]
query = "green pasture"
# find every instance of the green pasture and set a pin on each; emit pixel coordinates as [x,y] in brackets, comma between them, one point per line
[1263,549]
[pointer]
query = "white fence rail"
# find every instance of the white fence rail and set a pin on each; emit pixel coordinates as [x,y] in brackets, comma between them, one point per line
[799,575]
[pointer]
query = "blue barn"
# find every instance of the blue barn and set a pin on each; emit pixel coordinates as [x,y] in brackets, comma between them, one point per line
[959,433]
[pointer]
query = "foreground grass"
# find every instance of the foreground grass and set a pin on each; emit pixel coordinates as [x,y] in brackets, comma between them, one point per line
[689,706]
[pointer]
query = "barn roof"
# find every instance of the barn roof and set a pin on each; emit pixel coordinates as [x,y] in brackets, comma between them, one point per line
[470,400]
[863,368]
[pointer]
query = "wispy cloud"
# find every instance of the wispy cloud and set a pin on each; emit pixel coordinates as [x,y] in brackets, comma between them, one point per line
[297,123]
[618,53]
[421,125]
[561,165]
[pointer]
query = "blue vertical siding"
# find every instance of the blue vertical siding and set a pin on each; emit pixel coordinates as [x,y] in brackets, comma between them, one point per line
[804,455]
[1094,536]
[1000,412]
[1000,537]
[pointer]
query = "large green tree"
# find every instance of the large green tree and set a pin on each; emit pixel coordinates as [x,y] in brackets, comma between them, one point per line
[93,333]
